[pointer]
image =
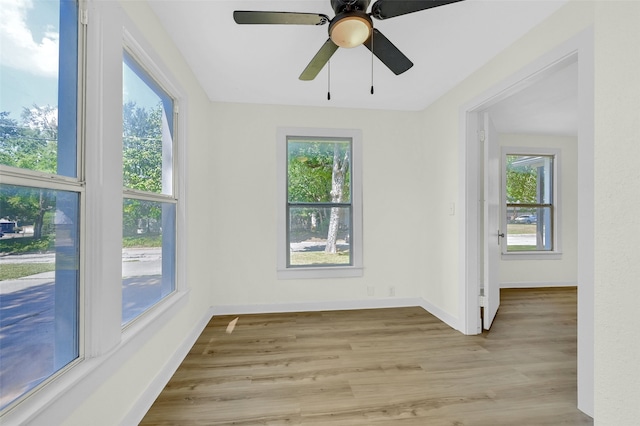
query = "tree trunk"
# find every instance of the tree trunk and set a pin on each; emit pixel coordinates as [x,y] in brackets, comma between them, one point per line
[337,184]
[39,221]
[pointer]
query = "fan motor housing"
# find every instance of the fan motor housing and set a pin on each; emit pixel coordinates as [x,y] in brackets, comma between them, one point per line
[340,6]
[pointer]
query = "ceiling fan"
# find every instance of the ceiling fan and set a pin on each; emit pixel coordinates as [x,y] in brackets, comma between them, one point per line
[350,27]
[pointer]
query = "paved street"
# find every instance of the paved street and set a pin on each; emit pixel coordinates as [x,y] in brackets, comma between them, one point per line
[27,326]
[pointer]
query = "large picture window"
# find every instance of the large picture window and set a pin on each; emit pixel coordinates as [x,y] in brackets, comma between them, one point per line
[40,195]
[321,202]
[149,204]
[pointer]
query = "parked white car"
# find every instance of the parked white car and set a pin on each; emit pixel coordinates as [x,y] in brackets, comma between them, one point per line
[527,218]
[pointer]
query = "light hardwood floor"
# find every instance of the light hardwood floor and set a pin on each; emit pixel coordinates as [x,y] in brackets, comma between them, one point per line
[382,367]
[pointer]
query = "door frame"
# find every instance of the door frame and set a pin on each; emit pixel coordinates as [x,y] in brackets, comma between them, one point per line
[470,228]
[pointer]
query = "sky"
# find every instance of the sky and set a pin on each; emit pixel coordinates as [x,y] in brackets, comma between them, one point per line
[28,54]
[29,45]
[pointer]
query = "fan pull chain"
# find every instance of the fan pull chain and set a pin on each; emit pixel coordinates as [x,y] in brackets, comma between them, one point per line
[329,80]
[372,61]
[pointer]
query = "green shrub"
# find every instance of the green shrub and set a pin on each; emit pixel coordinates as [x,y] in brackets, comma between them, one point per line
[26,245]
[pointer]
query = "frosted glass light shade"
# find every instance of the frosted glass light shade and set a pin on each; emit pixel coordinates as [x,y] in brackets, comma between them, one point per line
[350,31]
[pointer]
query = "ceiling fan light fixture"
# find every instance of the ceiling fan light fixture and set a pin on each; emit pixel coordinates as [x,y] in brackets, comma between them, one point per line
[350,31]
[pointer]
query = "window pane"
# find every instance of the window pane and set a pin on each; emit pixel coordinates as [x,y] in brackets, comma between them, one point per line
[318,171]
[529,185]
[319,236]
[148,255]
[147,114]
[530,231]
[39,286]
[38,83]
[529,179]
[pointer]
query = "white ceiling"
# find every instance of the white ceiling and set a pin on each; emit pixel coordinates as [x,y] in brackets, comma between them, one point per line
[549,106]
[261,63]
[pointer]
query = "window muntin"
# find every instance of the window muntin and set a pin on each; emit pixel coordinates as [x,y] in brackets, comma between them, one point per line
[319,208]
[530,203]
[39,215]
[149,205]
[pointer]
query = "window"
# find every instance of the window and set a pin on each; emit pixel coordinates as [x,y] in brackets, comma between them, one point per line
[41,195]
[320,203]
[530,205]
[149,204]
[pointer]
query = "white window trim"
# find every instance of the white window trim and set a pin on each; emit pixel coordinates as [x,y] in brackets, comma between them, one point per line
[144,59]
[354,270]
[556,253]
[145,55]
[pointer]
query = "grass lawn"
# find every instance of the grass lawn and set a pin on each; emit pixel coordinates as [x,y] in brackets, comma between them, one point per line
[319,258]
[521,228]
[137,241]
[12,271]
[521,248]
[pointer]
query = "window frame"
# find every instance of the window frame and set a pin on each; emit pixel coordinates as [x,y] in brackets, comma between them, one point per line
[143,60]
[555,206]
[103,28]
[355,269]
[16,176]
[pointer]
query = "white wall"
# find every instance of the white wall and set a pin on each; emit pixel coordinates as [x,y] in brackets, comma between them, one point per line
[515,272]
[617,225]
[242,180]
[120,379]
[411,175]
[442,135]
[446,139]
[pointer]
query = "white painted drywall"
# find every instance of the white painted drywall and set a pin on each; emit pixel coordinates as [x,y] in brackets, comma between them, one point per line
[237,204]
[120,381]
[517,272]
[242,180]
[617,223]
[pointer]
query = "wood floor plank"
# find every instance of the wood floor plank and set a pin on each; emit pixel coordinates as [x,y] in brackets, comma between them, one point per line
[382,367]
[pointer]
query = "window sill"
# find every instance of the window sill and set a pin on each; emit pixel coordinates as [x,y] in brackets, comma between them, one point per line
[533,255]
[320,272]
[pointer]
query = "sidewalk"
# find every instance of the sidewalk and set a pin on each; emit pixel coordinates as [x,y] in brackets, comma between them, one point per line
[27,315]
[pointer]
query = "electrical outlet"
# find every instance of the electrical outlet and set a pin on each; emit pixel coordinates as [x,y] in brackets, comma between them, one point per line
[370,291]
[392,291]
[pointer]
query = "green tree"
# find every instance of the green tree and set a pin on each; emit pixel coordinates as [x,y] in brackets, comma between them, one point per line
[318,173]
[142,148]
[142,164]
[31,145]
[522,182]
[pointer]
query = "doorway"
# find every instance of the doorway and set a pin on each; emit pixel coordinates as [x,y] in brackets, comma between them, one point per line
[578,51]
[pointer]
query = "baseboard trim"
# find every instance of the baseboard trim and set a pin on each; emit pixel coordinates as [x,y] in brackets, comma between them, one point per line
[337,305]
[272,308]
[537,284]
[144,403]
[440,314]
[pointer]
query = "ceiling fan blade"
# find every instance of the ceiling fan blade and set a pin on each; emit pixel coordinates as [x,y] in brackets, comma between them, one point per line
[388,53]
[317,63]
[384,9]
[291,18]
